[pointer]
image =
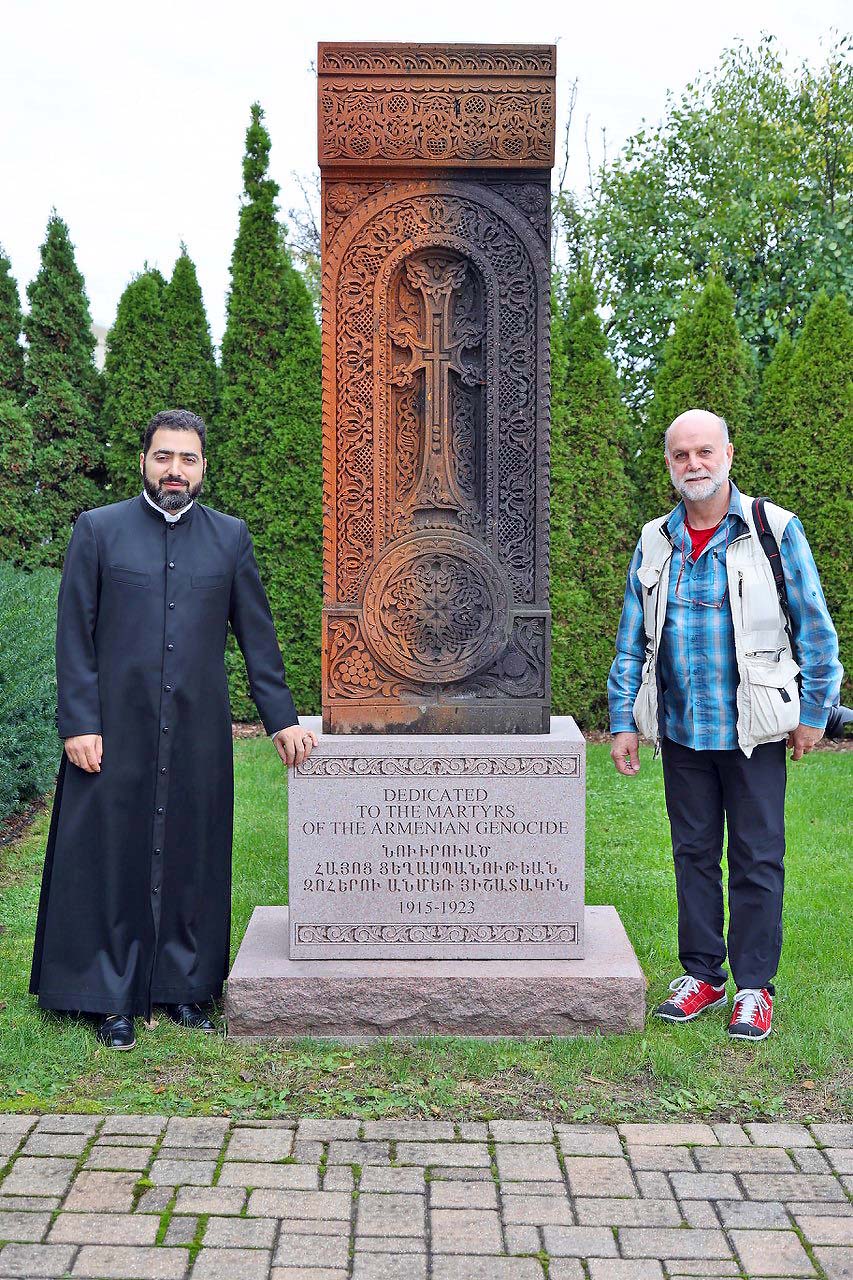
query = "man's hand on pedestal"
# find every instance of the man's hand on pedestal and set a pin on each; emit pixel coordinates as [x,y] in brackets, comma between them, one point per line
[803,739]
[625,753]
[86,751]
[295,744]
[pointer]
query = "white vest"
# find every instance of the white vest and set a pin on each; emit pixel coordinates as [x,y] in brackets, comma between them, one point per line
[768,696]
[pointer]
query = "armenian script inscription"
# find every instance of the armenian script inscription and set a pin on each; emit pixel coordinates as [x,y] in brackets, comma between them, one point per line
[435,429]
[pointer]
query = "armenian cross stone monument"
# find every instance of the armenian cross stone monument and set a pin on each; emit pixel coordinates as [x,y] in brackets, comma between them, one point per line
[436,835]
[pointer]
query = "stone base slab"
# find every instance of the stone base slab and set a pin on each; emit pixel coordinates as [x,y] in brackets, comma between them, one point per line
[270,995]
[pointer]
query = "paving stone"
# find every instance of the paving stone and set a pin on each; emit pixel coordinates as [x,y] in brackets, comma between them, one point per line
[280,1122]
[599,1176]
[226,1264]
[566,1269]
[521,1131]
[486,1269]
[28,1204]
[259,1144]
[177,1173]
[731,1135]
[155,1200]
[772,1253]
[705,1186]
[359,1153]
[191,1153]
[240,1233]
[468,1231]
[557,1189]
[152,1125]
[104,1228]
[628,1213]
[31,1260]
[297,1177]
[653,1184]
[588,1140]
[463,1195]
[338,1177]
[837,1262]
[326,1251]
[375,1178]
[146,1140]
[795,1186]
[327,1130]
[638,1242]
[383,1266]
[11,1123]
[693,1267]
[620,1269]
[537,1210]
[68,1124]
[522,1239]
[841,1158]
[819,1230]
[196,1131]
[23,1227]
[448,1155]
[389,1214]
[406,1130]
[699,1213]
[743,1160]
[313,1226]
[810,1160]
[9,1143]
[669,1135]
[473,1131]
[779,1135]
[390,1244]
[307,1273]
[55,1144]
[528,1162]
[461,1174]
[579,1242]
[218,1200]
[833,1135]
[39,1176]
[126,1261]
[306,1205]
[668,1159]
[826,1208]
[135,1158]
[307,1152]
[181,1230]
[752,1213]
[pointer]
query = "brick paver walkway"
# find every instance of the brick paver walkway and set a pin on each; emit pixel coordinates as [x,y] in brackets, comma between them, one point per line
[153,1198]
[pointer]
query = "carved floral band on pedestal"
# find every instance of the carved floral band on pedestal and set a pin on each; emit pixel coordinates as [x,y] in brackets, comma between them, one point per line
[366,934]
[424,59]
[567,766]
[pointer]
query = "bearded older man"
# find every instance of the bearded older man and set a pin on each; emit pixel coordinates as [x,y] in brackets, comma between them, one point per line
[708,669]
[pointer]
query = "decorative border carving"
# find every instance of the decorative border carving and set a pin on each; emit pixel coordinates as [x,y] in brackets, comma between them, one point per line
[371,934]
[568,766]
[425,59]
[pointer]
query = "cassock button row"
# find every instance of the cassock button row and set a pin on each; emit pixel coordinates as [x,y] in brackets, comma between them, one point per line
[161,810]
[171,564]
[171,604]
[163,770]
[170,647]
[167,688]
[165,728]
[157,851]
[155,889]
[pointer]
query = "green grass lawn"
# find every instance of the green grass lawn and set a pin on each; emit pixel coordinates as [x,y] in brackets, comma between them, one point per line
[49,1063]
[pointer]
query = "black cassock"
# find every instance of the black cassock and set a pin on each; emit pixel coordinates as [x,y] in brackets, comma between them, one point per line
[135,904]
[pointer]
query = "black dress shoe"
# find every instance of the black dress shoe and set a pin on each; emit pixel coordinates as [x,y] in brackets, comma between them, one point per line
[189,1015]
[116,1031]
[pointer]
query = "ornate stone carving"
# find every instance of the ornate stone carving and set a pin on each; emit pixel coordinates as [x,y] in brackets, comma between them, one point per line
[366,934]
[436,300]
[568,766]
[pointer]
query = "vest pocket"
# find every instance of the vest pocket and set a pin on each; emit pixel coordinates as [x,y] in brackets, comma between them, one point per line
[774,697]
[645,707]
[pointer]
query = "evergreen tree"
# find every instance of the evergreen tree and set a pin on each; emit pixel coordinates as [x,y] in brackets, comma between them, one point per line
[706,365]
[760,461]
[266,457]
[63,398]
[11,324]
[136,377]
[191,371]
[593,515]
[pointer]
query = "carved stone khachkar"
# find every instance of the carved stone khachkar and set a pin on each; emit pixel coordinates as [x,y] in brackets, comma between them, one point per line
[435,165]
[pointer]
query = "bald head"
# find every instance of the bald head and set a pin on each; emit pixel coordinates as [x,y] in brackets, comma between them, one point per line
[695,419]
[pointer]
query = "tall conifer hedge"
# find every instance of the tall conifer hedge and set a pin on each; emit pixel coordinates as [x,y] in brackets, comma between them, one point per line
[593,510]
[266,453]
[16,437]
[190,368]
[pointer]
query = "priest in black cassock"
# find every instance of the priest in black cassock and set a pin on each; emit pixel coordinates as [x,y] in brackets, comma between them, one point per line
[135,904]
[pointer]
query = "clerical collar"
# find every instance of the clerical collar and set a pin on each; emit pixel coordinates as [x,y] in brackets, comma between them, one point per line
[171,517]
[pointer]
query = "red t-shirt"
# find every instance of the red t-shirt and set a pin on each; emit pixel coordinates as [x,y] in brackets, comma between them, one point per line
[699,539]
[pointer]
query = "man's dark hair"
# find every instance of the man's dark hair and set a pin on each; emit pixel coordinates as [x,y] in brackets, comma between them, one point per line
[175,420]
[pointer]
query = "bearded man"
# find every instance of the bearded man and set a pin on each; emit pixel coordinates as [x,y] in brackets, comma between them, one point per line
[707,668]
[135,904]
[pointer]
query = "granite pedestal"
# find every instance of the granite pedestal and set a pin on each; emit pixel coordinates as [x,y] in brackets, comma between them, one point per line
[271,995]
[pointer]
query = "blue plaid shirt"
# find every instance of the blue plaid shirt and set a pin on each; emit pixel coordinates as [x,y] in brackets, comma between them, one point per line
[696,660]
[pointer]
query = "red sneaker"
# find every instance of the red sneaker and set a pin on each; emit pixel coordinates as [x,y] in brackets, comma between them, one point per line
[693,996]
[752,1014]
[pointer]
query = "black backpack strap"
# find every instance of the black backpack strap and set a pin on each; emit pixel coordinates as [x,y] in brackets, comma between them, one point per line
[770,547]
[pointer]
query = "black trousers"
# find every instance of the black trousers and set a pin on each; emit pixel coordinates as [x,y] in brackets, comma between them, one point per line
[704,788]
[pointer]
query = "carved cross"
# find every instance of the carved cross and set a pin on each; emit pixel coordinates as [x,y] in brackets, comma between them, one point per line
[439,354]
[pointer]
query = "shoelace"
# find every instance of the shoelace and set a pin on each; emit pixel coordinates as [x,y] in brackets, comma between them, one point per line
[685,986]
[748,1002]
